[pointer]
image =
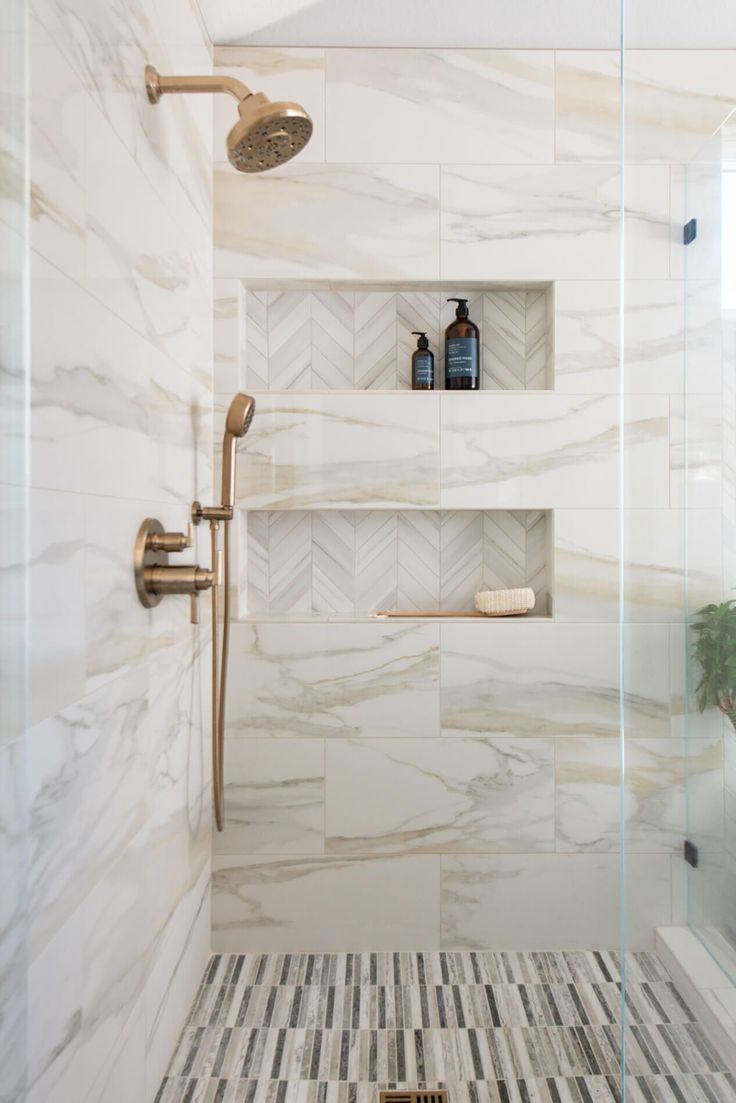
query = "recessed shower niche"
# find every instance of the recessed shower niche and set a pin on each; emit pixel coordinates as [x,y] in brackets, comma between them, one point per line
[352,563]
[344,337]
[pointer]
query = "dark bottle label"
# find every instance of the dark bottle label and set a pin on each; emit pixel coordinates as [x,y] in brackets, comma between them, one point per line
[461,357]
[423,368]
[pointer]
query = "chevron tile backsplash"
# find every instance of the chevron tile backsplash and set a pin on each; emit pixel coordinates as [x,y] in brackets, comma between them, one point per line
[357,562]
[362,340]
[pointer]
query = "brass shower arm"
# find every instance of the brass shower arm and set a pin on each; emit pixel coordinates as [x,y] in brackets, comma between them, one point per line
[157,86]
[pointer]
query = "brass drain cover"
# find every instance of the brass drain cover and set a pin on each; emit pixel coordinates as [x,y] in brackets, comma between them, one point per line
[426,1095]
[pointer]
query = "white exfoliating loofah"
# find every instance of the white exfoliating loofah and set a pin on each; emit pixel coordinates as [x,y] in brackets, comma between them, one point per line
[498,602]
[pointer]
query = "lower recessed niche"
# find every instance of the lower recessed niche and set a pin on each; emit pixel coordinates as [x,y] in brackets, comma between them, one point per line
[355,562]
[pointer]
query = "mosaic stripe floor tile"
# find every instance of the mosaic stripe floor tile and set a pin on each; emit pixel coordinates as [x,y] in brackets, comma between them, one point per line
[533,1027]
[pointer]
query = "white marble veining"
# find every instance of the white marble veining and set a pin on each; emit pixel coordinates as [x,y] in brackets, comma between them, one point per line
[274,792]
[695,451]
[552,680]
[121,324]
[329,222]
[674,100]
[588,346]
[550,450]
[493,900]
[326,903]
[461,106]
[557,222]
[586,563]
[438,795]
[326,680]
[338,451]
[588,776]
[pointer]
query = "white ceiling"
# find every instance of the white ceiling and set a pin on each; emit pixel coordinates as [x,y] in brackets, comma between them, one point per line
[570,24]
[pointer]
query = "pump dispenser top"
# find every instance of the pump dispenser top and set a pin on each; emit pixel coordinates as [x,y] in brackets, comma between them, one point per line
[461,310]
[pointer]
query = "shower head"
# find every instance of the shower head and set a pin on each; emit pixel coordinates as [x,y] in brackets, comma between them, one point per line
[237,423]
[266,134]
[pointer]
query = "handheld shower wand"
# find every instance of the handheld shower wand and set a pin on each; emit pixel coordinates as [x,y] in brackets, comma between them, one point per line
[237,423]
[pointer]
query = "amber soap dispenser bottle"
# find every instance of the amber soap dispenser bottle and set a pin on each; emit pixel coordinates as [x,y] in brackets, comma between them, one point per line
[462,351]
[422,365]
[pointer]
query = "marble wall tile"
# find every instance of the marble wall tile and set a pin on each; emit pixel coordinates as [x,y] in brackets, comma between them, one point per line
[696,188]
[316,680]
[90,378]
[229,328]
[13,916]
[552,679]
[338,451]
[587,343]
[58,212]
[588,800]
[328,903]
[499,456]
[117,630]
[87,765]
[674,100]
[438,795]
[493,900]
[332,222]
[55,1005]
[440,105]
[696,451]
[274,793]
[56,636]
[483,207]
[586,563]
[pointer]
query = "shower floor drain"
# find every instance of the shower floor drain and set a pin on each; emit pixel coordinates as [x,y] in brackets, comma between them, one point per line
[423,1096]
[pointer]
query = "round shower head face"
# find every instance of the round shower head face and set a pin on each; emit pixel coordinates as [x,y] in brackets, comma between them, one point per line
[267,134]
[240,414]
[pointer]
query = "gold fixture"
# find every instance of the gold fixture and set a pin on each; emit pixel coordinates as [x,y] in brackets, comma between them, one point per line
[154,578]
[266,134]
[237,423]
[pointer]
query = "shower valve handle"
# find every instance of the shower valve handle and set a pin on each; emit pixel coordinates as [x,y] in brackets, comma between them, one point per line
[171,541]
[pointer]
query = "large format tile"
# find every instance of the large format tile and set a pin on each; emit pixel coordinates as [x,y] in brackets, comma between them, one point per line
[325,903]
[550,451]
[274,797]
[587,563]
[589,806]
[338,451]
[590,358]
[569,215]
[552,679]
[316,680]
[56,629]
[332,222]
[495,900]
[88,767]
[440,105]
[674,100]
[438,795]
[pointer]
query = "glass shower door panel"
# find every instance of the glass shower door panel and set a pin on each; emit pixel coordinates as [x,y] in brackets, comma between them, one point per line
[13,433]
[708,477]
